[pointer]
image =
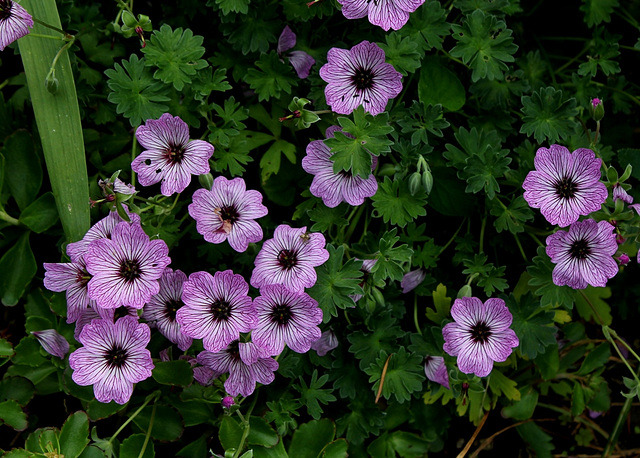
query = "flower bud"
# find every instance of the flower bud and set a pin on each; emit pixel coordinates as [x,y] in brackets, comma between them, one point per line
[52,342]
[414,183]
[427,181]
[129,20]
[227,402]
[387,170]
[206,181]
[596,109]
[51,83]
[465,291]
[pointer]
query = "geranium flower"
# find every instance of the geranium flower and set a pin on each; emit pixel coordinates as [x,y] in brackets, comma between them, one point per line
[289,259]
[216,309]
[113,358]
[565,185]
[584,255]
[325,343]
[388,14]
[125,268]
[227,212]
[619,193]
[169,156]
[15,22]
[52,342]
[285,317]
[436,370]
[299,60]
[359,76]
[479,335]
[411,280]
[161,309]
[73,278]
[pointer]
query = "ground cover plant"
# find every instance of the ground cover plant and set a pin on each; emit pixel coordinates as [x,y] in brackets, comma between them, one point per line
[337,228]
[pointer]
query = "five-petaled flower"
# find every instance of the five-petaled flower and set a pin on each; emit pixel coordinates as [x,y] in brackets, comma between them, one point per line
[15,22]
[583,255]
[479,335]
[565,185]
[168,154]
[388,14]
[359,76]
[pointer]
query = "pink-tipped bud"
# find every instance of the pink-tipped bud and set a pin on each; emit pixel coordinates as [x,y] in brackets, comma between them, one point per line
[597,109]
[623,259]
[227,402]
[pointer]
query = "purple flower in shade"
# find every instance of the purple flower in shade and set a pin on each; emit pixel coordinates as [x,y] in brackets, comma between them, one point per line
[300,60]
[217,308]
[565,185]
[388,14]
[227,212]
[479,335]
[584,255]
[113,358]
[168,154]
[289,259]
[285,317]
[125,268]
[73,278]
[52,342]
[116,186]
[101,230]
[623,259]
[367,265]
[243,375]
[412,280]
[162,308]
[436,370]
[335,188]
[359,76]
[15,22]
[227,402]
[325,343]
[620,194]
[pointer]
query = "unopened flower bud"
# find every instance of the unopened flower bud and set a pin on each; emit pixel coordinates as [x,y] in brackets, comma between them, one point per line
[427,181]
[465,291]
[129,19]
[387,170]
[414,183]
[206,181]
[227,402]
[51,83]
[623,259]
[596,109]
[52,342]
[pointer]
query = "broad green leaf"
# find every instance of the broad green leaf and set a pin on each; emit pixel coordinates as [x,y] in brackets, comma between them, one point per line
[548,362]
[324,217]
[524,407]
[230,433]
[311,438]
[167,424]
[532,324]
[19,389]
[595,359]
[74,436]
[549,293]
[402,53]
[548,116]
[336,449]
[591,298]
[25,171]
[440,86]
[394,203]
[12,415]
[442,305]
[536,438]
[261,433]
[404,375]
[176,372]
[597,11]
[131,447]
[197,447]
[271,77]
[17,268]
[270,162]
[194,412]
[408,444]
[577,399]
[6,349]
[41,214]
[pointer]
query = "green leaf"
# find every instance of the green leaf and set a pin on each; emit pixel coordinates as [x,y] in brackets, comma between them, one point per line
[484,168]
[390,258]
[17,268]
[233,6]
[6,349]
[362,420]
[176,54]
[523,408]
[23,164]
[500,384]
[18,389]
[197,447]
[428,26]
[176,372]
[41,214]
[402,53]
[367,347]
[394,203]
[74,436]
[314,395]
[512,217]
[440,86]
[271,78]
[281,413]
[548,362]
[442,305]
[541,276]
[423,119]
[485,44]
[325,217]
[11,414]
[404,376]
[270,162]
[311,438]
[547,116]
[261,433]
[577,399]
[230,433]
[336,282]
[208,81]
[595,359]
[136,92]
[255,32]
[592,298]
[167,424]
[532,324]
[597,11]
[132,446]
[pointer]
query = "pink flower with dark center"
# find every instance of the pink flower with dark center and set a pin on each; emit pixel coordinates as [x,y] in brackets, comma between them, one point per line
[15,22]
[169,156]
[388,14]
[73,278]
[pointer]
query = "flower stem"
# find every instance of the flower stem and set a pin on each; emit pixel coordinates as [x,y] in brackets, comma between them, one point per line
[415,313]
[245,426]
[148,435]
[8,219]
[453,237]
[130,419]
[49,26]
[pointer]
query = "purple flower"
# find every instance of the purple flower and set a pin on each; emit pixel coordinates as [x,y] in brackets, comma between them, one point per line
[125,268]
[73,278]
[15,22]
[113,358]
[388,14]
[217,308]
[565,185]
[52,342]
[335,188]
[479,335]
[289,259]
[359,76]
[412,280]
[243,375]
[595,102]
[227,212]
[300,60]
[367,265]
[620,194]
[116,186]
[623,259]
[325,343]
[436,370]
[584,255]
[285,317]
[161,308]
[227,402]
[169,156]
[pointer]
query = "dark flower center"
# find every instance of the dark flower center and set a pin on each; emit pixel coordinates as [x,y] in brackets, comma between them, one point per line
[5,9]
[287,259]
[82,278]
[170,309]
[120,312]
[565,188]
[229,213]
[363,78]
[281,314]
[175,154]
[580,249]
[345,173]
[481,332]
[221,310]
[116,356]
[130,270]
[233,350]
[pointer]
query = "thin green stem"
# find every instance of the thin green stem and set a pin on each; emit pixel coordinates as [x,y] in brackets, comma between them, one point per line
[49,26]
[134,144]
[123,5]
[453,237]
[153,397]
[148,435]
[52,70]
[524,256]
[8,219]
[354,223]
[40,35]
[482,229]
[583,420]
[246,427]
[573,59]
[415,313]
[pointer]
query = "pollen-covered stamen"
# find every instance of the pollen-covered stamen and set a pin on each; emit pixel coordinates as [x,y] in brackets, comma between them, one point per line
[175,153]
[287,259]
[221,310]
[170,309]
[116,356]
[363,78]
[281,314]
[580,249]
[480,333]
[565,188]
[130,270]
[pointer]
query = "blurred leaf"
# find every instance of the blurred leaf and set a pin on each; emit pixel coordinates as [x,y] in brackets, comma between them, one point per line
[17,268]
[18,389]
[592,298]
[536,438]
[270,162]
[577,399]
[595,359]
[440,86]
[176,372]
[524,407]
[12,415]
[311,438]
[261,433]
[597,11]
[41,214]
[6,349]
[23,164]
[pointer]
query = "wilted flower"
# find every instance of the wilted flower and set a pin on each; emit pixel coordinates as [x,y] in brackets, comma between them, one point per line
[388,14]
[300,60]
[15,22]
[411,280]
[52,342]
